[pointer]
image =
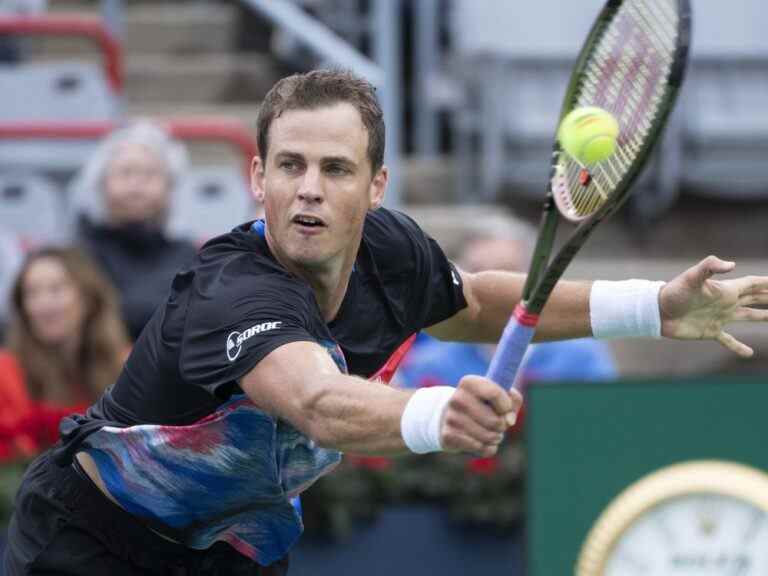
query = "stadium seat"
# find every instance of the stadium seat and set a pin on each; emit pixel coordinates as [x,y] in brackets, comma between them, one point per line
[31,208]
[11,256]
[212,200]
[514,68]
[55,91]
[726,124]
[544,28]
[52,91]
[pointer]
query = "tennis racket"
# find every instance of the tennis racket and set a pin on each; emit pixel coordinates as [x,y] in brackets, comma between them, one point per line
[631,64]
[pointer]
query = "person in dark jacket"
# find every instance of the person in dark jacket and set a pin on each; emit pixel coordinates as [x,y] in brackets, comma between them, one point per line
[122,201]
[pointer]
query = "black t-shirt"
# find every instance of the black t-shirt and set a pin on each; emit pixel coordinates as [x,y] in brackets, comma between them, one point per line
[235,304]
[175,440]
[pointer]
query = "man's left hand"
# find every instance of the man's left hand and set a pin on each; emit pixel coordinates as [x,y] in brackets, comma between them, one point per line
[695,306]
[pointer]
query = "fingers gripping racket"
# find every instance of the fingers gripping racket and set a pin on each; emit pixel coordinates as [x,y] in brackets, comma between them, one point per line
[631,64]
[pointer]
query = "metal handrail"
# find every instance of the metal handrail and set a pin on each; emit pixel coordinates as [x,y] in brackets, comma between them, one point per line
[64,25]
[323,41]
[231,132]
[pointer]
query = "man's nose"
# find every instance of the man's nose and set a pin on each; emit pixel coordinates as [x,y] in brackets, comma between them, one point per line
[311,189]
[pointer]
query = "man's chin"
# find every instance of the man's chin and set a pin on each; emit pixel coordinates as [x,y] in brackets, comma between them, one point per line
[309,259]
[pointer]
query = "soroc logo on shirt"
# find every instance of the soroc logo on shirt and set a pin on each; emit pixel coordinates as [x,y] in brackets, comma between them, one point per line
[235,339]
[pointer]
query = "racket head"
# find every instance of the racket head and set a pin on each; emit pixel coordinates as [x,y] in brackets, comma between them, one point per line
[632,64]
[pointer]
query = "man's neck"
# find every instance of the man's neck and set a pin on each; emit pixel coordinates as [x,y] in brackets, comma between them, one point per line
[329,291]
[329,284]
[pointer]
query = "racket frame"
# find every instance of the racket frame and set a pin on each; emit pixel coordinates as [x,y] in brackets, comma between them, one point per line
[544,273]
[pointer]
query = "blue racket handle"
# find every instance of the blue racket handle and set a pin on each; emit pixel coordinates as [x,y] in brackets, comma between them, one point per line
[510,351]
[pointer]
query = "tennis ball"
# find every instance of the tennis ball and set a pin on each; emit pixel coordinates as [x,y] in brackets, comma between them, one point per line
[588,134]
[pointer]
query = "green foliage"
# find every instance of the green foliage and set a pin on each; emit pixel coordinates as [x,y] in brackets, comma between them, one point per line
[481,492]
[10,479]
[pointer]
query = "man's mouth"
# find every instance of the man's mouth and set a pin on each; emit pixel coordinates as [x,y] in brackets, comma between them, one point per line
[308,221]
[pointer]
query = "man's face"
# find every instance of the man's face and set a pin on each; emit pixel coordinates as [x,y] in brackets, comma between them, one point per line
[317,186]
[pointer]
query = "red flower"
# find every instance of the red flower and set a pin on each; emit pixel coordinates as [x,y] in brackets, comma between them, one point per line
[374,463]
[483,466]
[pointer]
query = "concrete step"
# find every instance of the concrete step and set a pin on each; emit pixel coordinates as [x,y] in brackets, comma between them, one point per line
[204,78]
[72,6]
[180,28]
[185,28]
[621,258]
[245,112]
[181,52]
[692,227]
[429,181]
[168,27]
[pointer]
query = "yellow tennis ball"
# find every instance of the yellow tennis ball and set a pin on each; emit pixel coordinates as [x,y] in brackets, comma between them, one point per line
[589,134]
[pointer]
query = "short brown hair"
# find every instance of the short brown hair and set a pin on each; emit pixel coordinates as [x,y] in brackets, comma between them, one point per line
[104,343]
[324,88]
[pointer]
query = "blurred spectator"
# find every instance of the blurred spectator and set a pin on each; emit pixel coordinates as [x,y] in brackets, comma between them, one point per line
[503,246]
[10,50]
[66,344]
[122,200]
[11,255]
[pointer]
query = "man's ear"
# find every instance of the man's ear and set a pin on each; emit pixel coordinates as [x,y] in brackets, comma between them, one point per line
[257,179]
[378,187]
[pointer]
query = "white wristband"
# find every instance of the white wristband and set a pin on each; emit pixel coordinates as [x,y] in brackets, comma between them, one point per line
[422,417]
[629,308]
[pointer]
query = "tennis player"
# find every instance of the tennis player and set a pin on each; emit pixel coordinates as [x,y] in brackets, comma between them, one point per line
[265,362]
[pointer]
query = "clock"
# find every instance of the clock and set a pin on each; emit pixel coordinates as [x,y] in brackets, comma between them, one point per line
[703,518]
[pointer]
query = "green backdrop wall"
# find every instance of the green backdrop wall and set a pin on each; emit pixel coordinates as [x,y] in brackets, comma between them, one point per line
[587,442]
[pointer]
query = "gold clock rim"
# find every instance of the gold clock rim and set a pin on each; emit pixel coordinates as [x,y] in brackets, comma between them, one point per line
[719,477]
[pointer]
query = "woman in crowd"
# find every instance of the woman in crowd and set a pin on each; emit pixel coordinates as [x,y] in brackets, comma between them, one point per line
[66,344]
[122,201]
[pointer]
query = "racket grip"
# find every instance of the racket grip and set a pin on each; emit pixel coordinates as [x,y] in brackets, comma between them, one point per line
[510,351]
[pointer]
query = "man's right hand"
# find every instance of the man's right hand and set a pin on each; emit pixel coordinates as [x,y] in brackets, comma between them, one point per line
[477,416]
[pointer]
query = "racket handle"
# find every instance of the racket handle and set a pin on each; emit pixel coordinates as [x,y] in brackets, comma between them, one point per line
[510,351]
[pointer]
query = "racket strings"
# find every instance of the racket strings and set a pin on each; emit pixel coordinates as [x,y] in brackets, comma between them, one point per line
[651,15]
[625,74]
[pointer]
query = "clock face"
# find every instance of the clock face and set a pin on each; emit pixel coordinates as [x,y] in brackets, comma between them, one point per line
[694,535]
[700,518]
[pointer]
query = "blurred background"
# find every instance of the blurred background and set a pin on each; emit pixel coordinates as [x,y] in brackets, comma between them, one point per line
[126,131]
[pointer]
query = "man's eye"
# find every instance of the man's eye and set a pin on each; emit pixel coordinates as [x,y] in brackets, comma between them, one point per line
[289,165]
[337,169]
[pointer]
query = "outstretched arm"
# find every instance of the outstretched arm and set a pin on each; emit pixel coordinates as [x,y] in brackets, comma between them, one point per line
[299,383]
[491,298]
[692,306]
